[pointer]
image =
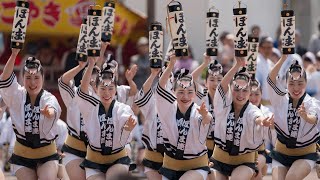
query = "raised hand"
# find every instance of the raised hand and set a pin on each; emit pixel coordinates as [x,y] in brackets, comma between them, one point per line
[240,61]
[302,111]
[203,111]
[48,112]
[206,59]
[155,71]
[267,122]
[82,64]
[130,124]
[92,60]
[15,51]
[104,45]
[131,73]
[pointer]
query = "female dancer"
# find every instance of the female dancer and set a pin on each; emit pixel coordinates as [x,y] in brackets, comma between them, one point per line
[185,127]
[296,119]
[34,113]
[152,131]
[238,132]
[108,124]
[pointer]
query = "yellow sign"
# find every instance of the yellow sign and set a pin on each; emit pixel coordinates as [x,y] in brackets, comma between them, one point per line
[64,17]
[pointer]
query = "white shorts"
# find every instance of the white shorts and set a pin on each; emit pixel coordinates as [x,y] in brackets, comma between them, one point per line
[69,157]
[147,169]
[15,167]
[275,163]
[203,173]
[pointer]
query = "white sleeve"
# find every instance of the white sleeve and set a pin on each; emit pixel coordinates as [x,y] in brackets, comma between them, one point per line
[11,91]
[201,92]
[52,102]
[87,104]
[145,101]
[276,92]
[123,95]
[124,113]
[222,99]
[67,92]
[62,134]
[165,105]
[203,130]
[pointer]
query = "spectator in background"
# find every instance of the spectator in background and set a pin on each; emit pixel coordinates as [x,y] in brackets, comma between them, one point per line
[299,49]
[264,65]
[276,55]
[226,51]
[309,64]
[318,61]
[46,54]
[142,61]
[255,31]
[186,62]
[314,43]
[317,76]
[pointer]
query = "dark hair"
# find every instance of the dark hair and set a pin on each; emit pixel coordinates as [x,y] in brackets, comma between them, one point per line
[295,67]
[215,67]
[242,74]
[255,83]
[32,63]
[183,75]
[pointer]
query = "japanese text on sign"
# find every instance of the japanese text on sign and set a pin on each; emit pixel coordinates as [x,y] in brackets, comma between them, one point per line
[108,19]
[19,27]
[178,30]
[94,32]
[252,57]
[241,32]
[156,45]
[212,32]
[82,41]
[288,31]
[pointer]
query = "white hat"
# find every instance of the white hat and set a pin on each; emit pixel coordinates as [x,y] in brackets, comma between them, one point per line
[311,56]
[142,41]
[318,55]
[277,52]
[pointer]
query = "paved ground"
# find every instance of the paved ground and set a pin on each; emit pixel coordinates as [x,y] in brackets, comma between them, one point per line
[312,176]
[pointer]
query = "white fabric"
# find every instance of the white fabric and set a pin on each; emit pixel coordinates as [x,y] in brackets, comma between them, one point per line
[264,66]
[252,134]
[69,157]
[166,106]
[203,173]
[14,96]
[276,164]
[280,101]
[89,108]
[63,132]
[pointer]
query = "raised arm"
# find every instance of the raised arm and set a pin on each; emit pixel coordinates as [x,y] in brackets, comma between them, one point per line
[147,85]
[8,69]
[69,75]
[167,72]
[84,86]
[129,76]
[101,60]
[240,62]
[275,70]
[197,72]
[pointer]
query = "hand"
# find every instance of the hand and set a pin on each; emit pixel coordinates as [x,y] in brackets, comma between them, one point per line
[203,111]
[48,112]
[206,59]
[131,73]
[267,122]
[155,71]
[284,57]
[211,164]
[302,111]
[82,64]
[104,45]
[173,59]
[92,60]
[240,61]
[15,51]
[130,124]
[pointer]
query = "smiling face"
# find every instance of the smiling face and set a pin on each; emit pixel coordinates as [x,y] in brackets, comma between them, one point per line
[240,95]
[185,96]
[33,82]
[212,82]
[106,93]
[297,87]
[255,96]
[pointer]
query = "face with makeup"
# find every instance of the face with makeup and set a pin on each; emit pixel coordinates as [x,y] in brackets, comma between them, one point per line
[185,96]
[255,95]
[106,88]
[296,85]
[240,92]
[213,81]
[33,81]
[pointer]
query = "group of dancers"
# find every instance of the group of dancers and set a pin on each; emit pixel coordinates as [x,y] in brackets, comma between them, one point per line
[216,130]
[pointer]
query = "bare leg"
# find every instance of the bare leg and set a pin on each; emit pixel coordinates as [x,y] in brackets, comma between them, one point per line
[48,171]
[299,170]
[279,173]
[116,171]
[220,176]
[261,165]
[75,171]
[191,175]
[153,175]
[212,176]
[26,174]
[242,172]
[97,177]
